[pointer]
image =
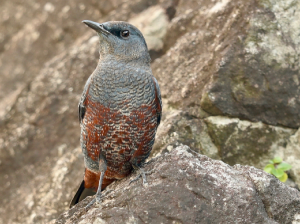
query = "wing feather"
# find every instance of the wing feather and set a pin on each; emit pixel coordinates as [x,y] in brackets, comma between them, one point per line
[81,105]
[157,100]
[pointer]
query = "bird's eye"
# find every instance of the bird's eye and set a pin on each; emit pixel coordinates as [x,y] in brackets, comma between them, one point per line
[125,33]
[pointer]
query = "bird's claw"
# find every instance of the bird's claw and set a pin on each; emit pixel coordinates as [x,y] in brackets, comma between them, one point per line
[142,174]
[90,204]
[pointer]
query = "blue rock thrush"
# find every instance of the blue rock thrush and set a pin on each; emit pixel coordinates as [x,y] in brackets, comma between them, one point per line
[119,110]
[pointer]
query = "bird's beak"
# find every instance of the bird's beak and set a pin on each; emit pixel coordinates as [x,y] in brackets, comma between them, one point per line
[96,26]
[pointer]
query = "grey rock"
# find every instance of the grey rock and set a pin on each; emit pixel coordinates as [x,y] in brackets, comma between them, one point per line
[31,33]
[244,142]
[257,76]
[291,155]
[180,127]
[186,187]
[153,23]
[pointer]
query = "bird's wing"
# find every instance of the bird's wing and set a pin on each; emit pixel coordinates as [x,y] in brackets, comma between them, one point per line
[81,105]
[157,100]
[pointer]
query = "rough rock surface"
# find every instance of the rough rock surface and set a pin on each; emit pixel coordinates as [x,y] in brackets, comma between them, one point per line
[186,187]
[258,75]
[225,58]
[291,154]
[31,33]
[153,24]
[228,72]
[39,127]
[239,140]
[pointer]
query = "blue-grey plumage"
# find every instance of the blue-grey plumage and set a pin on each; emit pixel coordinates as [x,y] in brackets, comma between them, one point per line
[120,108]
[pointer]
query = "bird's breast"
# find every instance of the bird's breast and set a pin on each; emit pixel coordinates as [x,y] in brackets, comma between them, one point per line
[120,120]
[112,89]
[120,135]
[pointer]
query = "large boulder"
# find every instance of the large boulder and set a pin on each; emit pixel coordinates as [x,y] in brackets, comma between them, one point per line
[257,77]
[238,61]
[186,187]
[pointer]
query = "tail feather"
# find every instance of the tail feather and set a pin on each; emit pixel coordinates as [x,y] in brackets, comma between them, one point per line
[81,194]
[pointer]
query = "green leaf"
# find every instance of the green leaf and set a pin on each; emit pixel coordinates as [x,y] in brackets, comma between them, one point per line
[271,162]
[278,173]
[277,160]
[283,178]
[268,168]
[284,166]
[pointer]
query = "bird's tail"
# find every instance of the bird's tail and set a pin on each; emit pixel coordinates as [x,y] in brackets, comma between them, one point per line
[81,194]
[89,188]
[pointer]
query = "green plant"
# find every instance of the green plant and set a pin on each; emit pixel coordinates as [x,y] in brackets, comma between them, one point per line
[278,168]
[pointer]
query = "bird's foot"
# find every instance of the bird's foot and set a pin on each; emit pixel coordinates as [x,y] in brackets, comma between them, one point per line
[142,174]
[96,200]
[90,204]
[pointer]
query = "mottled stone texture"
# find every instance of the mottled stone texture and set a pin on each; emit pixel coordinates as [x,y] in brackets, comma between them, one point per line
[258,76]
[228,73]
[239,141]
[186,187]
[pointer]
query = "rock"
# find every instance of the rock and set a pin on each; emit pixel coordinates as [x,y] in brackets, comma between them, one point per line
[186,187]
[245,142]
[229,139]
[257,76]
[30,38]
[153,23]
[292,154]
[210,68]
[181,128]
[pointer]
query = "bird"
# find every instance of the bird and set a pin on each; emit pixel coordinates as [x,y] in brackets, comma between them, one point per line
[120,109]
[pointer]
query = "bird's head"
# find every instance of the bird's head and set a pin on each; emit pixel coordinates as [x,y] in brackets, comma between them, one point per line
[120,40]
